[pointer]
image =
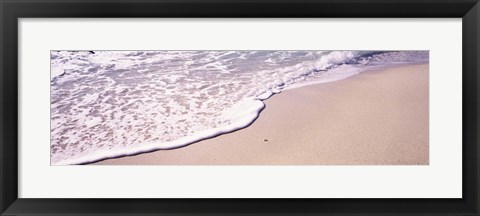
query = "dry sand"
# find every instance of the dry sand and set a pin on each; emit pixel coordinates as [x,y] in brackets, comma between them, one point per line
[375,118]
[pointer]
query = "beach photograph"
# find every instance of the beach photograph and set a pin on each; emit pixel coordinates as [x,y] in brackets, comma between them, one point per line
[239,107]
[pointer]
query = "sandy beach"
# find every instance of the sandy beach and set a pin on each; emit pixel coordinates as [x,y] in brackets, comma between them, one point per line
[375,118]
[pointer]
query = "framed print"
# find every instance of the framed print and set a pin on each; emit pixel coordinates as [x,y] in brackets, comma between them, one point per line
[226,107]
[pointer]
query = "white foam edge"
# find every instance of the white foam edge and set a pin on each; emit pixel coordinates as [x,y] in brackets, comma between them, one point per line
[243,116]
[241,120]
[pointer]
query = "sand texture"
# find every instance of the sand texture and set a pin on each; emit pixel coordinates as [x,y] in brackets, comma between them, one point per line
[375,118]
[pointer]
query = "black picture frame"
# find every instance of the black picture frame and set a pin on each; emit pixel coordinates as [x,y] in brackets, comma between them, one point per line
[12,10]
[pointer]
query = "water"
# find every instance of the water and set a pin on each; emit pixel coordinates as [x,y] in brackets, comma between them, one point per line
[114,103]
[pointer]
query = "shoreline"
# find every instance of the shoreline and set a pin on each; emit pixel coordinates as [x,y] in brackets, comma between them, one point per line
[269,140]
